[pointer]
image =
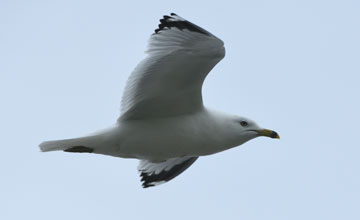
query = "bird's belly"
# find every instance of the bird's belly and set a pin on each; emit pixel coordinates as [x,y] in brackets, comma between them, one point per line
[195,134]
[157,147]
[160,143]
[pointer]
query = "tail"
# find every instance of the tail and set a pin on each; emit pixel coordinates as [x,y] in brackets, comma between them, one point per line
[80,145]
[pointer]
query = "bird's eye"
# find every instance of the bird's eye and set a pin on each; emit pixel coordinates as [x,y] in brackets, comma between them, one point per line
[244,123]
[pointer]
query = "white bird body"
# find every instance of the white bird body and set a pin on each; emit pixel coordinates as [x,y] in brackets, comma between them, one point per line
[184,136]
[146,139]
[163,120]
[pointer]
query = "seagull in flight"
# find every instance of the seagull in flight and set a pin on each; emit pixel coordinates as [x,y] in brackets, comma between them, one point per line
[163,121]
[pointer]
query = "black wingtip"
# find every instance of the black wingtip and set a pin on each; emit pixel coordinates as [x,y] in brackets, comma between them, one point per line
[145,186]
[168,22]
[145,181]
[154,179]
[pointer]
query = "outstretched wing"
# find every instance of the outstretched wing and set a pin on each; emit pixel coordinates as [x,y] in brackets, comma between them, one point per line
[168,81]
[153,174]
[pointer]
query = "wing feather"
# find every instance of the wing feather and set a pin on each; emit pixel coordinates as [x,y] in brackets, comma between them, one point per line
[153,174]
[168,81]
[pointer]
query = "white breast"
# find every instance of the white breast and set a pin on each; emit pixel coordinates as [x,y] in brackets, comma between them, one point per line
[198,134]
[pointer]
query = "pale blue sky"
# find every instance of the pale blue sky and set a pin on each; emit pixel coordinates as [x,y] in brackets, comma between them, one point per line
[292,66]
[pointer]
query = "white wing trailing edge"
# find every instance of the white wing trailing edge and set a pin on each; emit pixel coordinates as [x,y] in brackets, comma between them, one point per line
[168,81]
[153,174]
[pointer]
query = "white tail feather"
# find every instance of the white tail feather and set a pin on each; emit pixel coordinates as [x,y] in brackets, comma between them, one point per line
[93,141]
[64,144]
[56,145]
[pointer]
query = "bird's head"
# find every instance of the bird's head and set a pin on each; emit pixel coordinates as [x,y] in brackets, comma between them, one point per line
[247,129]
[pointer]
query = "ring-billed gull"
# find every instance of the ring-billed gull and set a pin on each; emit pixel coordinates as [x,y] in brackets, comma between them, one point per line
[163,120]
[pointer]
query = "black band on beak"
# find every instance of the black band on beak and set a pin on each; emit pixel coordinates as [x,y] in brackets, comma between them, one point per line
[274,135]
[268,133]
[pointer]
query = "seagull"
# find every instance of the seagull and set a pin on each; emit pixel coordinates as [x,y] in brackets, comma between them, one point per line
[163,121]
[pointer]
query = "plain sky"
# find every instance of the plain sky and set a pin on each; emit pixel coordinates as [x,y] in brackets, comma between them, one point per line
[292,66]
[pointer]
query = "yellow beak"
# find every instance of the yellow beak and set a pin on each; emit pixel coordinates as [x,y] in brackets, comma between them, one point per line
[268,133]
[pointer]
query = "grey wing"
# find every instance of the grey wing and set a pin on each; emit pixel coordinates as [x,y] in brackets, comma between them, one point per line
[169,80]
[153,174]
